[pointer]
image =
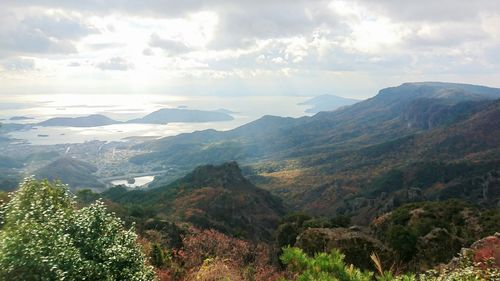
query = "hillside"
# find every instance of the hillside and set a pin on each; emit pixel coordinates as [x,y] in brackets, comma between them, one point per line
[217,197]
[457,161]
[440,138]
[167,115]
[94,120]
[393,113]
[327,103]
[77,174]
[9,176]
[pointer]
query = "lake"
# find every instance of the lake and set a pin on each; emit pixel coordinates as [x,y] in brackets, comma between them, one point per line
[139,182]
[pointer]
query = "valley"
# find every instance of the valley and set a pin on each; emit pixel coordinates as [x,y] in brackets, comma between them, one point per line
[325,140]
[355,176]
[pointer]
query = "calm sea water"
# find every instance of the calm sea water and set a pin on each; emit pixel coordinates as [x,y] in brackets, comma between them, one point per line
[126,107]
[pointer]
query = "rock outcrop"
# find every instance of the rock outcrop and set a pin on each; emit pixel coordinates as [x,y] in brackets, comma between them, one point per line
[355,245]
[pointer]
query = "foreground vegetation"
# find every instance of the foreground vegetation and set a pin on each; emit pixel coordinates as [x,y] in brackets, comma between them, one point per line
[45,236]
[331,267]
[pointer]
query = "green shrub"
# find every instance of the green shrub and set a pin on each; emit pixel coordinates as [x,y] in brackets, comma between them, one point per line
[44,237]
[321,267]
[331,267]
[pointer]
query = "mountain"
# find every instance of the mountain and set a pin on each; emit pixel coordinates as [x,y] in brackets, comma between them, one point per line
[327,103]
[77,174]
[217,197]
[94,120]
[167,115]
[440,138]
[389,115]
[455,161]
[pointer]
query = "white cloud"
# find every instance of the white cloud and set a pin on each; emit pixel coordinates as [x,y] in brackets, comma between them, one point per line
[115,63]
[172,47]
[18,64]
[41,32]
[301,40]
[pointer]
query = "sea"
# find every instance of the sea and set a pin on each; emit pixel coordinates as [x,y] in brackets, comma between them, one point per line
[38,108]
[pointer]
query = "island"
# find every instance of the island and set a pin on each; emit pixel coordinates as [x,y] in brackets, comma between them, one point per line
[20,118]
[94,120]
[167,115]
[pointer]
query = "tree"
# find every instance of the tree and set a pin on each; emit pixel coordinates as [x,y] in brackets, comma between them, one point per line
[44,237]
[404,241]
[158,258]
[321,267]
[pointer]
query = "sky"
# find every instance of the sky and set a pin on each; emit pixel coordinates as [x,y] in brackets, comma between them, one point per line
[231,48]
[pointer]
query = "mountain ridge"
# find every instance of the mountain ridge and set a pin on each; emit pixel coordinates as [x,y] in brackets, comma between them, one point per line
[211,196]
[316,163]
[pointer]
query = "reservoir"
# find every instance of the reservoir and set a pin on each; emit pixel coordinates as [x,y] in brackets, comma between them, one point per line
[139,182]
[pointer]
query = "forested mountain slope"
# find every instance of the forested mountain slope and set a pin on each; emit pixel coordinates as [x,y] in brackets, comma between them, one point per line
[217,197]
[413,142]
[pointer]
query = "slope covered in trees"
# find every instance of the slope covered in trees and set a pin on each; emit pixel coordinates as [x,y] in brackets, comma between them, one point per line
[75,173]
[217,197]
[414,142]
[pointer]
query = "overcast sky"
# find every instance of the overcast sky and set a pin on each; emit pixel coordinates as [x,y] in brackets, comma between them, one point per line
[248,47]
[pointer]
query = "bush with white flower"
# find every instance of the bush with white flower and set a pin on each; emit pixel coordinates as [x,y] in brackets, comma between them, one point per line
[44,237]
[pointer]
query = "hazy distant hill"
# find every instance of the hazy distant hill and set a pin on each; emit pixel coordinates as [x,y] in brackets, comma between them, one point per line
[19,118]
[94,120]
[167,115]
[327,103]
[217,197]
[75,173]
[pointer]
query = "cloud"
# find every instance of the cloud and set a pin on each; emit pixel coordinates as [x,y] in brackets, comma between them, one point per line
[242,25]
[147,52]
[172,47]
[115,63]
[59,25]
[445,35]
[212,40]
[18,64]
[102,46]
[432,11]
[40,32]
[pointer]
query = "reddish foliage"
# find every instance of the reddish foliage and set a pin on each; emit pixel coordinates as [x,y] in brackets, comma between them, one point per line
[164,275]
[488,248]
[200,245]
[231,256]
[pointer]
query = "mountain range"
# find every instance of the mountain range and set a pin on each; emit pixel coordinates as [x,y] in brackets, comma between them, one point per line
[412,174]
[411,142]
